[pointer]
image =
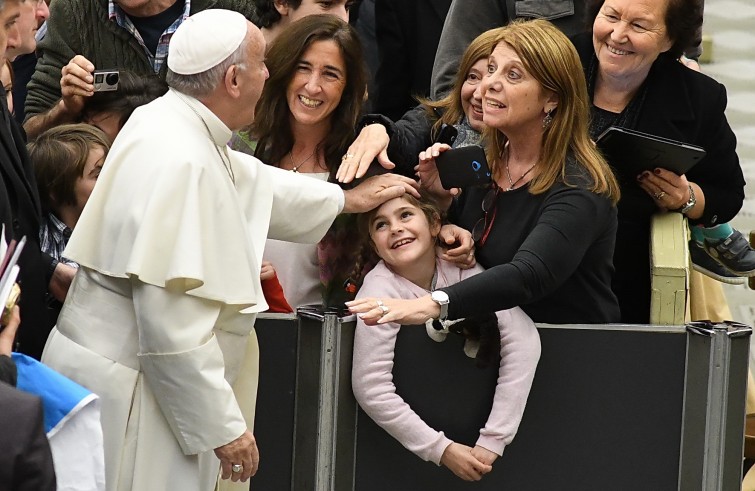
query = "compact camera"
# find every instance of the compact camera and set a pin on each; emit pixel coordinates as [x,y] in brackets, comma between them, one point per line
[106,80]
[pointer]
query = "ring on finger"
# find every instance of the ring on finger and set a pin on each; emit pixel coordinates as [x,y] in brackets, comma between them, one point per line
[659,195]
[381,306]
[237,467]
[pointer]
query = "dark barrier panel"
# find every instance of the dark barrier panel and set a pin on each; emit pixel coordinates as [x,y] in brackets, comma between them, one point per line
[605,412]
[612,407]
[274,420]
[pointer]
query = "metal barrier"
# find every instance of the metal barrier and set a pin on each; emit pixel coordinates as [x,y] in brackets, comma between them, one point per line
[612,407]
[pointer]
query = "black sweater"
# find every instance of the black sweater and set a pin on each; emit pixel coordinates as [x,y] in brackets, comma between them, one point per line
[549,254]
[686,106]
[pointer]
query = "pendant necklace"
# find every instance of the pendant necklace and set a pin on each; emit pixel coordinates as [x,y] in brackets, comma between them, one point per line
[512,184]
[295,168]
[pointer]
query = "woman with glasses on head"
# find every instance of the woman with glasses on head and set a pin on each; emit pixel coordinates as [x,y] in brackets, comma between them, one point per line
[545,227]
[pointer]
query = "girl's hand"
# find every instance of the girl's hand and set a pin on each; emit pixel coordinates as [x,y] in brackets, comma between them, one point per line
[428,175]
[460,460]
[484,455]
[457,246]
[383,310]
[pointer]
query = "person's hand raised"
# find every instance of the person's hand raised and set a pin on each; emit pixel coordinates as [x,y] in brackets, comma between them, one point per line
[76,84]
[371,143]
[430,179]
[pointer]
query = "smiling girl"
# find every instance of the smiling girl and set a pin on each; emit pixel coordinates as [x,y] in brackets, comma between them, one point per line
[403,232]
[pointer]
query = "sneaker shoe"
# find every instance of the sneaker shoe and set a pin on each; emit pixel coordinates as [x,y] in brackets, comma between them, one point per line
[734,253]
[708,266]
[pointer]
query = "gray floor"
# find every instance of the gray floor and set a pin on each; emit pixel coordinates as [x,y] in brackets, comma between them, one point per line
[731,25]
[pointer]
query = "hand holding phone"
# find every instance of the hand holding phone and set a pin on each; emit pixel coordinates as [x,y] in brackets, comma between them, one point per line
[462,167]
[447,135]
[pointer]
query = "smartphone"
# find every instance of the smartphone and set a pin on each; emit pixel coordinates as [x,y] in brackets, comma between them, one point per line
[447,135]
[462,167]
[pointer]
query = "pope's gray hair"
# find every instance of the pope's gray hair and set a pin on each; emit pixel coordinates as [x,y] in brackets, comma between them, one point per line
[4,2]
[204,83]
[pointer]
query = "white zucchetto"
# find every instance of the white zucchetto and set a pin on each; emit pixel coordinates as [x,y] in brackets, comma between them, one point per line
[204,40]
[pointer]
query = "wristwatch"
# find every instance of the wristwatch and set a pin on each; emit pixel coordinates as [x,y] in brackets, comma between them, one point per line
[441,298]
[690,203]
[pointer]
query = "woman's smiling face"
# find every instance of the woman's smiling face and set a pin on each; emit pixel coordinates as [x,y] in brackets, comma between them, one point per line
[471,99]
[318,84]
[628,36]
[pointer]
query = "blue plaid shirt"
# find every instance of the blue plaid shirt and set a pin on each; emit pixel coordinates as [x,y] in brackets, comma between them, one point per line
[161,53]
[53,238]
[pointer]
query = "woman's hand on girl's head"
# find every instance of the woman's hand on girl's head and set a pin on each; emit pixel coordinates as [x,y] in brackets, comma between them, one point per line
[373,311]
[484,455]
[456,246]
[461,461]
[371,143]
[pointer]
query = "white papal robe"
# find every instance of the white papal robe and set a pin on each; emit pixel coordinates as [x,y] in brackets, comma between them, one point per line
[159,319]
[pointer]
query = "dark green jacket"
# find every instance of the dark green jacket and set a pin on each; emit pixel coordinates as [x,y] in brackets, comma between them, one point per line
[82,27]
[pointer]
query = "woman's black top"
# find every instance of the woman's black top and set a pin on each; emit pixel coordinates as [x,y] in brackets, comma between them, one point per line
[550,254]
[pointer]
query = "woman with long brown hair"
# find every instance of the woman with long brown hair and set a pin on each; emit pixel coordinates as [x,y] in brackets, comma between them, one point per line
[308,110]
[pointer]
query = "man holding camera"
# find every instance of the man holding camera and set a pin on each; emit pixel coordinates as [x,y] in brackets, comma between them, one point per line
[105,34]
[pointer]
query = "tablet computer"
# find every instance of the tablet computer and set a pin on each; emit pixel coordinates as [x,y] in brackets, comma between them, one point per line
[636,152]
[462,167]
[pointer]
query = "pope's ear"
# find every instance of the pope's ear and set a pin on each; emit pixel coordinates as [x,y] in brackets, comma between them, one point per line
[231,81]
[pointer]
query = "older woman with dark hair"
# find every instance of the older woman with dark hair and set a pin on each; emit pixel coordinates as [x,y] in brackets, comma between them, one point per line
[311,104]
[635,81]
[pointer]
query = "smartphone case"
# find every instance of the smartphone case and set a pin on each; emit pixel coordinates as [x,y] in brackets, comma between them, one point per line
[463,167]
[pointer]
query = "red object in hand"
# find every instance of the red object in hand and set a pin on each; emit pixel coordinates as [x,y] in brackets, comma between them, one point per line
[276,301]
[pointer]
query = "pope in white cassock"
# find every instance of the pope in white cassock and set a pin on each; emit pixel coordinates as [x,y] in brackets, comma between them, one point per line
[159,321]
